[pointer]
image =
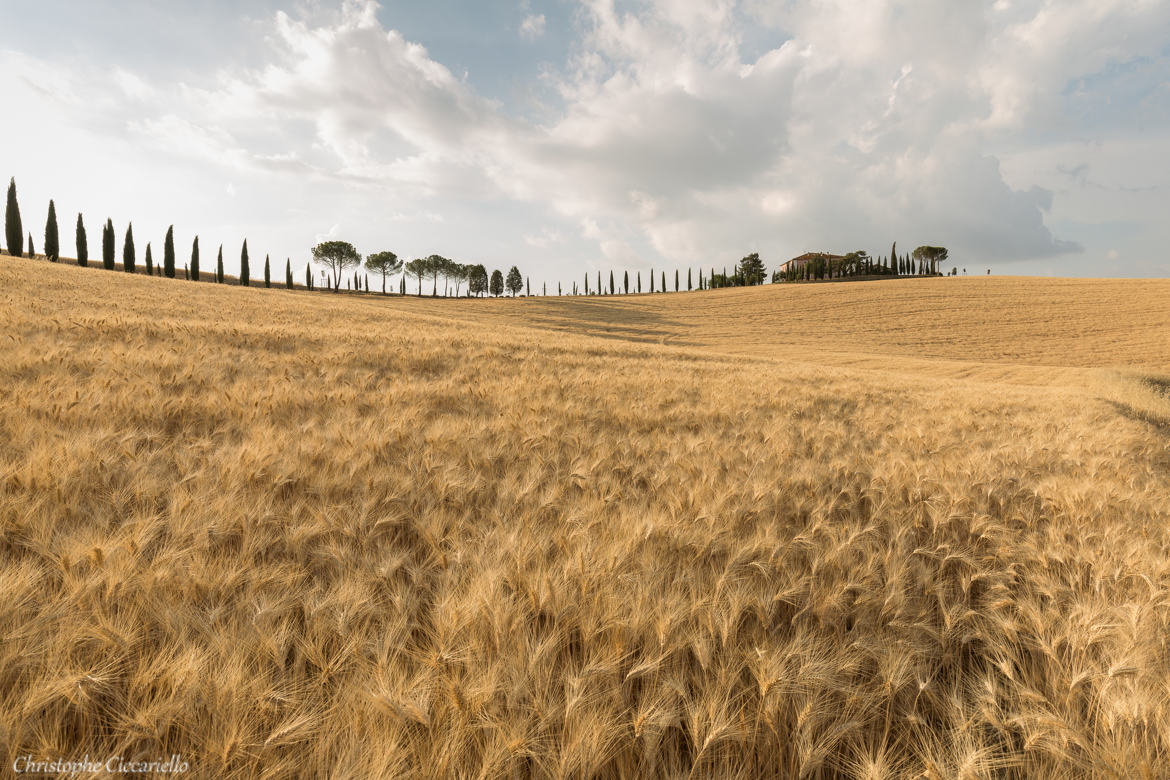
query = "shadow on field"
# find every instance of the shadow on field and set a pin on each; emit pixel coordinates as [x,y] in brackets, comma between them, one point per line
[609,320]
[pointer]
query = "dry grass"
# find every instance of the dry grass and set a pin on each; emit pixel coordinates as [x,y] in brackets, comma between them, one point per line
[884,532]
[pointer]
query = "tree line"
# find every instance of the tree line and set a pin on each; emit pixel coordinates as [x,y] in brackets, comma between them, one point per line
[340,258]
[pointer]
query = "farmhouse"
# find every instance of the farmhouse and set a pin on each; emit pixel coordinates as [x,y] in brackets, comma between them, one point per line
[797,263]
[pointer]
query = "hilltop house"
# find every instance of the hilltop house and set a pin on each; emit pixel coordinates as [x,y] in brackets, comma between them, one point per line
[797,263]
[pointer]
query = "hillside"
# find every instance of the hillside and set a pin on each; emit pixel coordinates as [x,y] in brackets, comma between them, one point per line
[909,528]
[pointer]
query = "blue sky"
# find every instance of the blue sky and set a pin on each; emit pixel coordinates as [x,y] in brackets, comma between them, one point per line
[566,136]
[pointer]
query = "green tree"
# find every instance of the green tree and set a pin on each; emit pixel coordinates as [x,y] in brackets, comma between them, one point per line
[32,250]
[245,271]
[664,281]
[169,253]
[611,289]
[219,265]
[419,267]
[929,258]
[688,280]
[639,281]
[13,229]
[52,243]
[651,280]
[514,281]
[477,280]
[384,263]
[309,276]
[626,282]
[336,256]
[195,259]
[128,256]
[288,280]
[267,273]
[149,261]
[497,283]
[108,245]
[82,244]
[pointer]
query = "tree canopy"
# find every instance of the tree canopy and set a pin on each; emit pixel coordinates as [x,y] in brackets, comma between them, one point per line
[384,263]
[497,283]
[514,282]
[337,256]
[751,270]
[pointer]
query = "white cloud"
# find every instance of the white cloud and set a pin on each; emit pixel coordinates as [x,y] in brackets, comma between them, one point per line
[532,27]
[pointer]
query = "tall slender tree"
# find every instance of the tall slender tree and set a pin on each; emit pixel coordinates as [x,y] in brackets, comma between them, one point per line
[32,250]
[244,270]
[108,245]
[13,229]
[664,281]
[149,260]
[676,280]
[169,253]
[129,260]
[651,280]
[639,281]
[195,259]
[688,280]
[626,282]
[267,273]
[611,290]
[288,280]
[219,265]
[52,242]
[82,245]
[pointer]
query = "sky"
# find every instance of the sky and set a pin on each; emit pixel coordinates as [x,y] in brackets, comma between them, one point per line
[571,136]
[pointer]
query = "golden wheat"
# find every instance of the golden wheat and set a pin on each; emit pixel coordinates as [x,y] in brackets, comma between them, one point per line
[862,530]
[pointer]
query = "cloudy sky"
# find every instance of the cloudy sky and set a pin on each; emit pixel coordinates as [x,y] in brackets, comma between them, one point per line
[563,136]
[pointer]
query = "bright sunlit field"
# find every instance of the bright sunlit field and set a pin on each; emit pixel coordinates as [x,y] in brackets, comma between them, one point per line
[908,528]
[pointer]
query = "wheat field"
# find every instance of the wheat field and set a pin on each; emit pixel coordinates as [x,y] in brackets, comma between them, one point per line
[909,528]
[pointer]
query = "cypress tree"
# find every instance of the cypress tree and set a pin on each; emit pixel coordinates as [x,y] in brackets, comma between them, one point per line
[32,250]
[639,281]
[586,283]
[128,255]
[169,253]
[600,289]
[195,259]
[288,282]
[528,287]
[186,273]
[108,245]
[268,274]
[13,229]
[52,245]
[244,270]
[82,245]
[219,265]
[688,280]
[651,280]
[308,277]
[664,281]
[611,291]
[676,280]
[149,261]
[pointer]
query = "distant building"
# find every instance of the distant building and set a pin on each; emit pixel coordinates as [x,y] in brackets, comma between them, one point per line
[797,263]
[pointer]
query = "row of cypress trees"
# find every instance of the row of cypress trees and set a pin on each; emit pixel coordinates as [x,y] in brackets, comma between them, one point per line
[14,238]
